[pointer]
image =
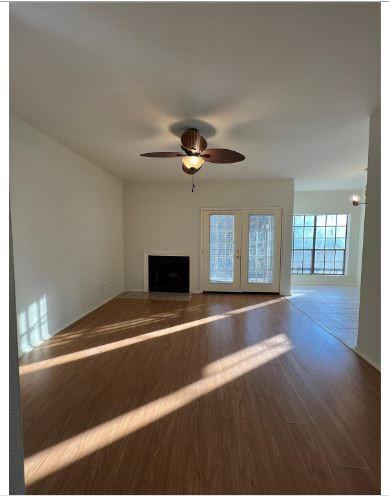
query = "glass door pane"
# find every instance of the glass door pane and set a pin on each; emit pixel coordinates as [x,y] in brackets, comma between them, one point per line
[221,252]
[261,250]
[261,241]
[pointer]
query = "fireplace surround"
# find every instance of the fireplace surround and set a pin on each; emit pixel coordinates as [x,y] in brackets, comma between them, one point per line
[167,272]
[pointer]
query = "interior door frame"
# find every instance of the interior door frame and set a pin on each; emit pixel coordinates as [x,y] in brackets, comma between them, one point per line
[202,210]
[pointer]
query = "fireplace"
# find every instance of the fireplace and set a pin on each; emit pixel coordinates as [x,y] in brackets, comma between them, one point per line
[168,273]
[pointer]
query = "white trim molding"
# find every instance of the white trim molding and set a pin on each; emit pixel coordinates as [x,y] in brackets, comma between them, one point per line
[146,255]
[373,363]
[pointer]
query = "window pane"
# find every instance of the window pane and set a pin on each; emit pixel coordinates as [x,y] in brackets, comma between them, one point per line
[297,261]
[331,220]
[341,220]
[330,232]
[340,243]
[320,232]
[319,262]
[299,257]
[221,242]
[308,238]
[321,220]
[330,243]
[261,242]
[298,243]
[341,232]
[307,263]
[298,221]
[329,260]
[339,260]
[309,220]
[298,232]
[319,243]
[303,234]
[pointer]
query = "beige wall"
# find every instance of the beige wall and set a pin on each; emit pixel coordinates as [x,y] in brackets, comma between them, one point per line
[161,216]
[67,217]
[335,202]
[369,335]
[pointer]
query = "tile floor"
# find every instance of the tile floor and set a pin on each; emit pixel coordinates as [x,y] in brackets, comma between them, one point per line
[335,307]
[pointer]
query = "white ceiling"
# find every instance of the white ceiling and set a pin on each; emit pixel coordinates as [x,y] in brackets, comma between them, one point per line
[289,85]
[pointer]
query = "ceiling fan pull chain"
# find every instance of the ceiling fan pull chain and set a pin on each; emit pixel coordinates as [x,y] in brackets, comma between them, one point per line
[193,185]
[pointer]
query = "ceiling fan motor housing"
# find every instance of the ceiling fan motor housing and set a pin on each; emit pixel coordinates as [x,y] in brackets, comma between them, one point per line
[189,152]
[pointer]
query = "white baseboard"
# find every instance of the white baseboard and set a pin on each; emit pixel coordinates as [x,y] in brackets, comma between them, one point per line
[373,363]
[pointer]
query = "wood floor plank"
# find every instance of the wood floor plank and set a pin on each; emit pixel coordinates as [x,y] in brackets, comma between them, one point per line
[223,394]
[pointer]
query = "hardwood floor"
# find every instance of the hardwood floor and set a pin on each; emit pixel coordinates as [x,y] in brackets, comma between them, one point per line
[225,394]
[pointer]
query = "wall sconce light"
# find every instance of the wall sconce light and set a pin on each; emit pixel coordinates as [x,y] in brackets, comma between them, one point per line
[356,200]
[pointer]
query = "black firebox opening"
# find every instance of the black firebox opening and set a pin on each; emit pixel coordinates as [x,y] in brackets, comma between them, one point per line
[169,273]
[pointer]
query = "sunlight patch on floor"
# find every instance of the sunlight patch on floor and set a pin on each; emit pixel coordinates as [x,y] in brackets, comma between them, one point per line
[215,375]
[111,346]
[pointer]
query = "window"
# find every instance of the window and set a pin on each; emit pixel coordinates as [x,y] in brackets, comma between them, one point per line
[319,244]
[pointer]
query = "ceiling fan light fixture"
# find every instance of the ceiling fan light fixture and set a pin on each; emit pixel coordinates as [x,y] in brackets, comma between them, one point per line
[193,162]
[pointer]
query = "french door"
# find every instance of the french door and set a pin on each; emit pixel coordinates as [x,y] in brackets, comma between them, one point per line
[241,250]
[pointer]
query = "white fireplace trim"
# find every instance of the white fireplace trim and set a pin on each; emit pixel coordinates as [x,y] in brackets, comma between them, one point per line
[146,255]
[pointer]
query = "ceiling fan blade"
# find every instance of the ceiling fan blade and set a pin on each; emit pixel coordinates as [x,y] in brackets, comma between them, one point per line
[221,156]
[193,140]
[162,154]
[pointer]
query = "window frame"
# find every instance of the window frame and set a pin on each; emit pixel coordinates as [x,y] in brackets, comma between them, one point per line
[311,270]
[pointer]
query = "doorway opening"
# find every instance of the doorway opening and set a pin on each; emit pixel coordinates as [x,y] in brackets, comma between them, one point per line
[326,262]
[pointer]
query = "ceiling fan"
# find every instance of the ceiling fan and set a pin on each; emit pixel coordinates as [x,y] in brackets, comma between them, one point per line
[196,153]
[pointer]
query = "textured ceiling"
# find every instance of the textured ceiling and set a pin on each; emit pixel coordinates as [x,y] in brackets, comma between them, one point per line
[290,85]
